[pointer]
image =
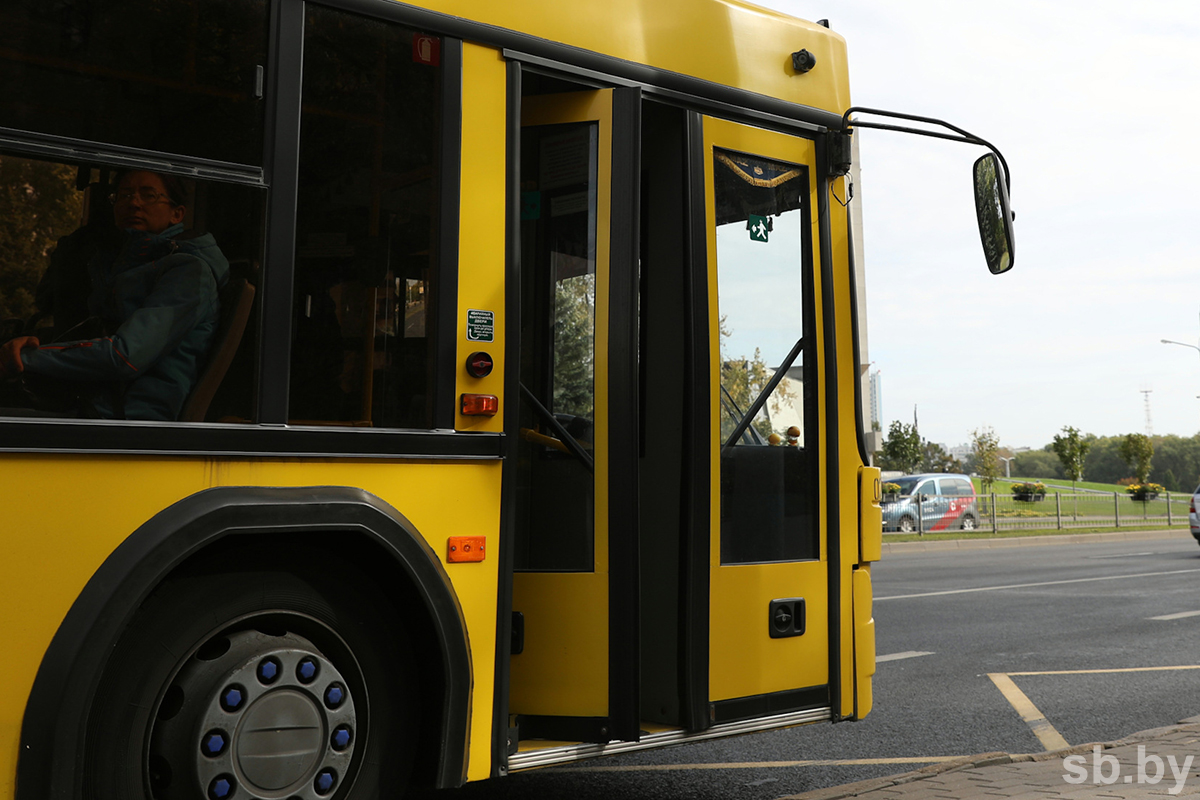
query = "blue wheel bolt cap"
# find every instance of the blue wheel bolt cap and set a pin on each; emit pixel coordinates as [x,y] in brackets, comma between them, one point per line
[232,698]
[326,780]
[213,743]
[334,696]
[306,670]
[268,670]
[342,736]
[221,787]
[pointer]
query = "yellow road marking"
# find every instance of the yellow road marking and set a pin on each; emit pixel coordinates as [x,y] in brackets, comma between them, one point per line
[1050,738]
[832,762]
[1100,671]
[1041,727]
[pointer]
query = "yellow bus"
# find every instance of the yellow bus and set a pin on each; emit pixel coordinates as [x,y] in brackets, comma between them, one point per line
[408,394]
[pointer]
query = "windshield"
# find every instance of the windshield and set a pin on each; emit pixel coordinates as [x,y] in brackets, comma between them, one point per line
[907,485]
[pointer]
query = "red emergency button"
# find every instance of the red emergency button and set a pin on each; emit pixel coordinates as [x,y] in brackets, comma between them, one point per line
[479,364]
[465,548]
[480,405]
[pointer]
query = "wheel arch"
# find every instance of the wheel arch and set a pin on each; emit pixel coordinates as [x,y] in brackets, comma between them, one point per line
[55,721]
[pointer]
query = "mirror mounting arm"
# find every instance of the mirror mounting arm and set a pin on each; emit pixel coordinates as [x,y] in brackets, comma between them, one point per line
[958,135]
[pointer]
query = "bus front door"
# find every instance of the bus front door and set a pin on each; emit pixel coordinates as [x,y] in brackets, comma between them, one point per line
[573,671]
[768,650]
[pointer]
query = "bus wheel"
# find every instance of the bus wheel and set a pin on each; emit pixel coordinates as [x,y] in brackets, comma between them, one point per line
[256,685]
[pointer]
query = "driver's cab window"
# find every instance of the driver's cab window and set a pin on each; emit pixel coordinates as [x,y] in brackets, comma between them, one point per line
[927,488]
[768,475]
[126,294]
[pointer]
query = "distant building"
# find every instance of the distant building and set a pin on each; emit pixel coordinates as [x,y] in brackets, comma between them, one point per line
[876,401]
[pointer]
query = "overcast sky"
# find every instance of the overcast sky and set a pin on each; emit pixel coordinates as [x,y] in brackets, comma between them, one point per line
[1094,105]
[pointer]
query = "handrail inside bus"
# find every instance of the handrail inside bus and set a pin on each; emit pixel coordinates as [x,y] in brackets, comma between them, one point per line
[761,400]
[962,135]
[567,439]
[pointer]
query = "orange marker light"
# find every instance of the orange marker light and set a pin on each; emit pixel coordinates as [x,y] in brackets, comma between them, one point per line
[480,405]
[461,549]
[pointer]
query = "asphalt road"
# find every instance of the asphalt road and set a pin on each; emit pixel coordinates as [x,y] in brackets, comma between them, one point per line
[1082,619]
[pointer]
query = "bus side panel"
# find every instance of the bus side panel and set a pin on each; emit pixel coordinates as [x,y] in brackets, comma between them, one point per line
[70,521]
[481,227]
[752,55]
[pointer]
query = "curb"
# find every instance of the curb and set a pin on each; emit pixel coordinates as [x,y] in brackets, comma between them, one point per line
[895,548]
[997,758]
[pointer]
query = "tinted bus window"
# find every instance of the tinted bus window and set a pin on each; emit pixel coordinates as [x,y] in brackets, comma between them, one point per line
[366,223]
[88,268]
[175,77]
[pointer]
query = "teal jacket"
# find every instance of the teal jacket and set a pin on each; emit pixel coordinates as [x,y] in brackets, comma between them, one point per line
[159,294]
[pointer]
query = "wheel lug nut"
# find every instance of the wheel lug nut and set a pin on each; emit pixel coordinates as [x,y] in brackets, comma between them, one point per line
[342,736]
[232,698]
[306,670]
[268,670]
[325,781]
[221,787]
[335,695]
[214,743]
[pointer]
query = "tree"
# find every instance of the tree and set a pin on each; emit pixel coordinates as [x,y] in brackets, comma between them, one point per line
[38,204]
[902,448]
[574,338]
[985,448]
[1037,464]
[1138,451]
[1071,449]
[744,378]
[934,458]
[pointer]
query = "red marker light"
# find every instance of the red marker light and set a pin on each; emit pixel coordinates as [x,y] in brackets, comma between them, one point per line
[479,364]
[480,405]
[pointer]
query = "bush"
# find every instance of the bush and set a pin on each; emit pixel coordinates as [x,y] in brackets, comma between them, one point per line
[1029,488]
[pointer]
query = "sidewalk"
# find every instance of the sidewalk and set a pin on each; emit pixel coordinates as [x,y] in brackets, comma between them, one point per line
[1028,541]
[1107,771]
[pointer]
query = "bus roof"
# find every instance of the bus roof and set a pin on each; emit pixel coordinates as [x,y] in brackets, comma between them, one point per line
[727,42]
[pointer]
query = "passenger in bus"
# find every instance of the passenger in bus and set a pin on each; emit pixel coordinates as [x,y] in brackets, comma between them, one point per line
[154,303]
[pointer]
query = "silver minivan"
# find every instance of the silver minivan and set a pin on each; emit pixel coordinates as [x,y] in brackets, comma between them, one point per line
[931,502]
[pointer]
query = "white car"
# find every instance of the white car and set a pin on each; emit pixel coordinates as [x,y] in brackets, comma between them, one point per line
[1193,517]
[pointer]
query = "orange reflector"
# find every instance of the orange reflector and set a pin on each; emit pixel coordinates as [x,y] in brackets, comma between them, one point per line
[465,548]
[480,405]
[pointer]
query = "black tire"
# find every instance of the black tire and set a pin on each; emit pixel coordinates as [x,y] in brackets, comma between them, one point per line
[969,523]
[906,525]
[164,688]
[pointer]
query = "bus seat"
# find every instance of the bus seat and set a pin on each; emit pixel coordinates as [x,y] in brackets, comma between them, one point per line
[237,298]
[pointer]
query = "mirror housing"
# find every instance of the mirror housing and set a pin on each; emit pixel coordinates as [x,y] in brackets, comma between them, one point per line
[993,213]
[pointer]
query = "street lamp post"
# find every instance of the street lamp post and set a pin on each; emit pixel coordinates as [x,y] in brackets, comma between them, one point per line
[1182,344]
[1008,465]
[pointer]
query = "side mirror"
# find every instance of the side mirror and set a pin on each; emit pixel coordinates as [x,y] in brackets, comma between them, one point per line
[995,217]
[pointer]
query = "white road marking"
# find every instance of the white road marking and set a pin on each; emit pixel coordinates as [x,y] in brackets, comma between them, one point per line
[1180,615]
[1031,585]
[1125,555]
[907,654]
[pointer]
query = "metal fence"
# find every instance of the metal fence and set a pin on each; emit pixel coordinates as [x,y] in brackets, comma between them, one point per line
[1058,511]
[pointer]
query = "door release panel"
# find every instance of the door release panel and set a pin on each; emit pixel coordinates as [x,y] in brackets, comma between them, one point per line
[786,618]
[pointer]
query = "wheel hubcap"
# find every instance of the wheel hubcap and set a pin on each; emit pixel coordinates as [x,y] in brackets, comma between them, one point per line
[269,718]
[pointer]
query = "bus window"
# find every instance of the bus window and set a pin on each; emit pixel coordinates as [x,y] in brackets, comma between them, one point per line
[767,480]
[177,77]
[366,222]
[68,273]
[558,240]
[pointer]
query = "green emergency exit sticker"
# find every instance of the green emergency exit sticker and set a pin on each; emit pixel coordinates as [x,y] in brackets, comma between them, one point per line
[759,228]
[481,326]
